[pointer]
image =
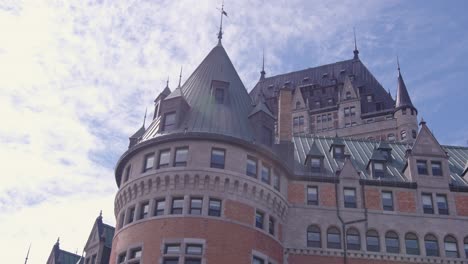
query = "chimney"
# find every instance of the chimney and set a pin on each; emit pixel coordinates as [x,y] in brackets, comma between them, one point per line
[285,115]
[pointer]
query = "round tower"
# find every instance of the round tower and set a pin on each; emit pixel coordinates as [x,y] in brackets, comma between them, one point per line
[405,113]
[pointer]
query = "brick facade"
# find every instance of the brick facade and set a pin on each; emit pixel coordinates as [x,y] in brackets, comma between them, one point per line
[406,201]
[461,203]
[373,200]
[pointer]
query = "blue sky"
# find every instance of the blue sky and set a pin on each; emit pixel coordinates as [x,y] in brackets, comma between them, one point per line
[76,77]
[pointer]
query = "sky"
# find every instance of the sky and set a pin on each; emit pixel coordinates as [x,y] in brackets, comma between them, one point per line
[77,76]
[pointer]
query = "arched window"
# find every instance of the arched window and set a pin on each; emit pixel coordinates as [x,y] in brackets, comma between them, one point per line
[313,236]
[353,239]
[466,246]
[391,137]
[392,243]
[372,241]
[403,134]
[333,238]
[431,245]
[451,247]
[411,244]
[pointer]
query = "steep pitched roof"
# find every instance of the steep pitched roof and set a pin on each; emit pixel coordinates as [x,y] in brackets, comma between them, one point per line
[205,115]
[361,151]
[323,76]
[261,107]
[402,99]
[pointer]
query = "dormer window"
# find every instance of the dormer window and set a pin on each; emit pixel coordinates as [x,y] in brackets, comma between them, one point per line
[219,95]
[338,152]
[169,121]
[315,164]
[379,169]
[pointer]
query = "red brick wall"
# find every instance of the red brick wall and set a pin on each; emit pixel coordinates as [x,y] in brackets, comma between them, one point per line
[239,212]
[461,203]
[226,243]
[406,201]
[296,193]
[307,259]
[373,198]
[327,195]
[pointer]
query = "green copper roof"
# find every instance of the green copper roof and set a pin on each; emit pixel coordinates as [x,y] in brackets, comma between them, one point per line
[361,151]
[66,257]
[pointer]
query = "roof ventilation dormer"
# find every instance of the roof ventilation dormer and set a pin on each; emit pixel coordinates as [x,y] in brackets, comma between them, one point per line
[377,164]
[314,159]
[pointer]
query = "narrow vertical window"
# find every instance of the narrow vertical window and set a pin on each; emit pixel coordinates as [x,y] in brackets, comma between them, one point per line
[164,158]
[392,243]
[422,167]
[428,206]
[315,165]
[403,134]
[276,180]
[265,174]
[196,206]
[451,247]
[431,245]
[352,111]
[149,162]
[346,111]
[127,173]
[411,244]
[131,215]
[442,204]
[180,159]
[350,198]
[259,217]
[333,238]
[122,220]
[217,158]
[214,207]
[251,167]
[387,200]
[353,239]
[271,226]
[177,205]
[312,195]
[372,241]
[436,168]
[314,237]
[144,210]
[379,170]
[169,121]
[159,207]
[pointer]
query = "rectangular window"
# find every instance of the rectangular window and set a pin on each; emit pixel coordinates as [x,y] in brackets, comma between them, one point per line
[169,121]
[265,174]
[171,261]
[149,162]
[217,158]
[164,158]
[172,249]
[378,170]
[350,198]
[346,111]
[192,261]
[131,215]
[159,207]
[312,195]
[436,168]
[193,249]
[352,111]
[180,159]
[251,167]
[122,220]
[93,259]
[422,167]
[428,206]
[295,121]
[315,164]
[387,201]
[135,253]
[144,210]
[301,120]
[259,216]
[122,257]
[369,99]
[257,260]
[271,226]
[276,181]
[177,205]
[214,207]
[442,204]
[196,206]
[127,173]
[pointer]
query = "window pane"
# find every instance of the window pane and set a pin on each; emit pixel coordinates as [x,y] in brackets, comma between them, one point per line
[276,181]
[265,174]
[164,158]
[217,158]
[172,249]
[442,204]
[171,261]
[135,253]
[251,167]
[149,162]
[160,206]
[257,260]
[422,167]
[350,198]
[194,249]
[387,201]
[144,209]
[428,207]
[169,121]
[181,157]
[259,219]
[378,166]
[271,226]
[214,207]
[436,168]
[312,197]
[196,206]
[177,205]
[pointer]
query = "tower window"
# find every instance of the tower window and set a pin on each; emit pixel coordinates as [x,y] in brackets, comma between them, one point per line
[251,167]
[265,174]
[276,180]
[180,159]
[312,195]
[177,205]
[379,170]
[271,226]
[159,208]
[163,158]
[346,112]
[131,215]
[403,134]
[414,133]
[350,198]
[387,200]
[169,121]
[391,137]
[257,260]
[352,111]
[127,173]
[135,253]
[193,249]
[422,167]
[149,162]
[403,111]
[315,164]
[196,206]
[370,98]
[217,158]
[144,210]
[259,216]
[219,95]
[348,95]
[214,207]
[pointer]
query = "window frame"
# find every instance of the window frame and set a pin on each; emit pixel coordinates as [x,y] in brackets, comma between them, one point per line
[195,210]
[312,201]
[386,206]
[175,210]
[171,126]
[255,160]
[350,204]
[146,159]
[160,154]
[259,219]
[213,162]
[211,210]
[177,163]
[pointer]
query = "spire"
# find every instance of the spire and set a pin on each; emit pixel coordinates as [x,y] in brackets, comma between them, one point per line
[220,33]
[180,76]
[167,83]
[262,73]
[27,255]
[403,99]
[144,121]
[356,51]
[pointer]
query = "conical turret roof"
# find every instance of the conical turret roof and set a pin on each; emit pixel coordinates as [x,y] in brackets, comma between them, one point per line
[403,99]
[205,114]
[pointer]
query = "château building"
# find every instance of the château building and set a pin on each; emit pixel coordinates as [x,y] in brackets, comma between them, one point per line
[316,166]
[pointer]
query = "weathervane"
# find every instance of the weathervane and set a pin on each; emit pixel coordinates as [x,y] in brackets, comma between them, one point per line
[220,33]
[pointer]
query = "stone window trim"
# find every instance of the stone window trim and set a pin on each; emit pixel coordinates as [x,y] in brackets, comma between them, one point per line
[353,239]
[164,158]
[392,242]
[130,256]
[178,249]
[216,154]
[312,195]
[431,245]
[181,156]
[372,240]
[451,247]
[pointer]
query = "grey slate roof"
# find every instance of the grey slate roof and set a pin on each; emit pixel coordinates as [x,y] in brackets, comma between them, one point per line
[323,76]
[205,115]
[361,151]
[164,93]
[262,107]
[402,99]
[176,93]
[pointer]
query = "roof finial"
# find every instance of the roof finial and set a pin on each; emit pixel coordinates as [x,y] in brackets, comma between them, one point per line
[167,82]
[100,212]
[27,254]
[220,33]
[356,51]
[262,73]
[398,64]
[180,76]
[144,121]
